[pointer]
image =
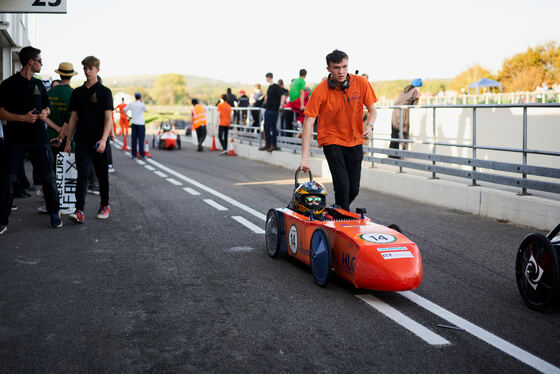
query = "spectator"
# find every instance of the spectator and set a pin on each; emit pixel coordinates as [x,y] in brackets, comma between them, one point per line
[274,102]
[138,125]
[256,101]
[340,130]
[24,105]
[225,120]
[123,121]
[286,113]
[409,96]
[297,89]
[91,109]
[243,102]
[198,114]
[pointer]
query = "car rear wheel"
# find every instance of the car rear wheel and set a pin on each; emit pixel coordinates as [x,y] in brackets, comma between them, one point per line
[537,271]
[273,233]
[320,257]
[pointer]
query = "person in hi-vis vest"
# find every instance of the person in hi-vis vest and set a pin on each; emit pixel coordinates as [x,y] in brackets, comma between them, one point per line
[198,114]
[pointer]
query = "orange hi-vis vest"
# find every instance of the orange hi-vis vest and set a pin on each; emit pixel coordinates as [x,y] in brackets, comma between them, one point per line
[198,116]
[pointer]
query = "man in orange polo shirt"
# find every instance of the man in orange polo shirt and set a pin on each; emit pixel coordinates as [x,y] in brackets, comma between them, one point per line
[338,102]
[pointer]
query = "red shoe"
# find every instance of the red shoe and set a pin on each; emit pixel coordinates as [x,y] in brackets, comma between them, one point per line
[103,212]
[77,216]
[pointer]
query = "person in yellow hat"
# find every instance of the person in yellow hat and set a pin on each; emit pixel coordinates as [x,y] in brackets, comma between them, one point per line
[59,97]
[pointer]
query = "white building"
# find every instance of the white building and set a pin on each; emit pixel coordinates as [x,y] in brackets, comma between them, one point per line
[14,35]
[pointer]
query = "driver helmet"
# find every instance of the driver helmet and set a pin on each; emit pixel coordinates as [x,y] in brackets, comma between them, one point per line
[310,197]
[166,127]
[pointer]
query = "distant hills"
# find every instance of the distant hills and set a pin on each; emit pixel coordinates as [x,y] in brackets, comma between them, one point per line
[147,81]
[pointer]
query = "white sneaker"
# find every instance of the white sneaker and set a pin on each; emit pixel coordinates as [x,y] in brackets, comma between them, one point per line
[111,169]
[42,209]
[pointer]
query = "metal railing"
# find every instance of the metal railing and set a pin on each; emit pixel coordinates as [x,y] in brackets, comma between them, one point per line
[473,168]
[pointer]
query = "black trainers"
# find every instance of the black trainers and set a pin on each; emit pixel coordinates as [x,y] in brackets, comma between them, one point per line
[265,148]
[56,222]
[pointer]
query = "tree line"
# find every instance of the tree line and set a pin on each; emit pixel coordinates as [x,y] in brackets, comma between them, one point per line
[522,72]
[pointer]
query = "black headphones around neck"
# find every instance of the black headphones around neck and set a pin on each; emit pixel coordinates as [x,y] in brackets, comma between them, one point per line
[343,86]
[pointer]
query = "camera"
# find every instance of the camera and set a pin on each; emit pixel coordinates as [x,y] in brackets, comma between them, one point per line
[36,111]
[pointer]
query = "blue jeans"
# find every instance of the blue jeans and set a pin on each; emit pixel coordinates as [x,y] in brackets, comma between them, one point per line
[270,129]
[138,135]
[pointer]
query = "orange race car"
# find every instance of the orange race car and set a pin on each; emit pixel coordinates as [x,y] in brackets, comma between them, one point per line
[335,241]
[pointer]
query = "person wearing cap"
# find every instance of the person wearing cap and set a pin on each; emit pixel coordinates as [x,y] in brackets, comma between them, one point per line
[59,96]
[409,96]
[24,105]
[137,108]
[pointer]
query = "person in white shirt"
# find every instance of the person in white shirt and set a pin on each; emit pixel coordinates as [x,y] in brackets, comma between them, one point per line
[138,136]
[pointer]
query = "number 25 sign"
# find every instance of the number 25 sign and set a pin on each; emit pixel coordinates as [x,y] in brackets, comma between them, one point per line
[33,6]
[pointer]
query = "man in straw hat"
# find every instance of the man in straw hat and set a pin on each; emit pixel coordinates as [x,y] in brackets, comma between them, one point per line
[59,97]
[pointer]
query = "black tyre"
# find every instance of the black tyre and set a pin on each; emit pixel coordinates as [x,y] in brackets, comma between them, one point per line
[395,227]
[320,256]
[178,141]
[273,233]
[537,271]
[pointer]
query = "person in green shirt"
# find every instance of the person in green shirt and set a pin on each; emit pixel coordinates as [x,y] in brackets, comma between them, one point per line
[297,89]
[59,97]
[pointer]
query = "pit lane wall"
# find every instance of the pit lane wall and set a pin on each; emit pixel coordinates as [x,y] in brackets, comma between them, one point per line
[532,211]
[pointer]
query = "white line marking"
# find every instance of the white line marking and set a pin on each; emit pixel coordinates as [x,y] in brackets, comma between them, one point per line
[422,332]
[191,191]
[250,225]
[214,204]
[150,167]
[174,181]
[141,162]
[210,191]
[495,341]
[163,175]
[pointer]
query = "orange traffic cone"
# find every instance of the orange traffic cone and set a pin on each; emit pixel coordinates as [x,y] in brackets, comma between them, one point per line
[231,152]
[147,149]
[125,147]
[213,148]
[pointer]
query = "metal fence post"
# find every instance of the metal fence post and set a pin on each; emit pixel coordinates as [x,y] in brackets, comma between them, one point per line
[524,189]
[474,141]
[400,134]
[434,141]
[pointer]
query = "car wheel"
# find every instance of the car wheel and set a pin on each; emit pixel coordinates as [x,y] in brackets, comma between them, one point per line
[395,227]
[273,233]
[320,257]
[537,271]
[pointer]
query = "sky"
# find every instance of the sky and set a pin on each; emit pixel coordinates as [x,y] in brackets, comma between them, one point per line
[242,40]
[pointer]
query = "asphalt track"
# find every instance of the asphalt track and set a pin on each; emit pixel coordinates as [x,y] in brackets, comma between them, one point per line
[178,280]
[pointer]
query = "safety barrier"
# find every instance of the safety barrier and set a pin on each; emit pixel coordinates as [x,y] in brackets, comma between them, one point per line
[474,153]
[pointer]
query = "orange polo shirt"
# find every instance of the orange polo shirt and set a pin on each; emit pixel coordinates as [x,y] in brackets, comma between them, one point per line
[225,114]
[341,112]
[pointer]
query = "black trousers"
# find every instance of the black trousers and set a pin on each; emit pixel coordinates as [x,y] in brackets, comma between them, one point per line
[395,135]
[345,164]
[84,153]
[201,135]
[223,136]
[11,159]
